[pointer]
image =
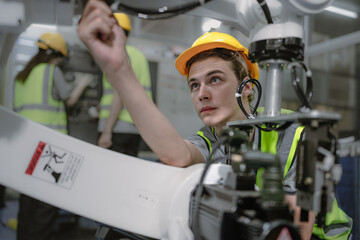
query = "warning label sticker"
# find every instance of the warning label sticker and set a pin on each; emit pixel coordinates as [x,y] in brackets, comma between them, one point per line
[55,165]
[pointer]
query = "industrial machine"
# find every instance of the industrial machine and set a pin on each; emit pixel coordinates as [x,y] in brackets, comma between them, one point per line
[234,209]
[83,117]
[276,32]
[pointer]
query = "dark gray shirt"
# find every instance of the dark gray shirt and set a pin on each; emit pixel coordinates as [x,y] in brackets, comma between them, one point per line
[285,140]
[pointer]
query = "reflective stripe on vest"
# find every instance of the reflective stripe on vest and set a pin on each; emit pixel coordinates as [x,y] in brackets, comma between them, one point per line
[33,99]
[208,143]
[269,141]
[337,225]
[106,100]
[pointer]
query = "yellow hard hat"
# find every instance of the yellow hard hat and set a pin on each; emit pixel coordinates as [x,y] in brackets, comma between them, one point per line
[53,41]
[211,40]
[123,20]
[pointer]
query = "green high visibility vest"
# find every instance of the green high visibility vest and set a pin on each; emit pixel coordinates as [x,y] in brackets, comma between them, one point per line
[338,224]
[33,99]
[269,142]
[141,70]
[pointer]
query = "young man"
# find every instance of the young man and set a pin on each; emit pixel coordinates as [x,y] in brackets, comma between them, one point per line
[214,66]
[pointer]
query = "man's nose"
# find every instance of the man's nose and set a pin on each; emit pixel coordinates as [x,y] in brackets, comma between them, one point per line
[204,93]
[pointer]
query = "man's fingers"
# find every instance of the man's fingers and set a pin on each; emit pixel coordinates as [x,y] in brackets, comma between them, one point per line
[96,25]
[97,21]
[99,31]
[98,13]
[118,32]
[96,4]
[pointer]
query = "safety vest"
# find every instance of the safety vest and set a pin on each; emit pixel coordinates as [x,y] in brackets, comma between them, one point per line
[141,70]
[268,144]
[33,99]
[337,224]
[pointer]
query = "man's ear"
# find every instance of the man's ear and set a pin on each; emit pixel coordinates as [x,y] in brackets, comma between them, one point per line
[247,90]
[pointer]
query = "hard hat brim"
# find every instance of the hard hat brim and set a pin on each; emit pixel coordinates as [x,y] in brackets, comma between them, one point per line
[181,61]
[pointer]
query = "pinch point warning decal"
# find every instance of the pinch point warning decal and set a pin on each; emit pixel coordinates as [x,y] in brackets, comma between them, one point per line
[54,164]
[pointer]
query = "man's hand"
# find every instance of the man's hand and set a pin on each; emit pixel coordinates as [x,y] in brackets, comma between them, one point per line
[305,227]
[102,35]
[105,140]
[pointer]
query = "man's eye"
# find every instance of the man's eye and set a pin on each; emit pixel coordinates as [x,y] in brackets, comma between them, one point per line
[194,86]
[215,79]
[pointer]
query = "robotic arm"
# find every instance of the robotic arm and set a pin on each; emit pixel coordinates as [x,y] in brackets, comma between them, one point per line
[276,33]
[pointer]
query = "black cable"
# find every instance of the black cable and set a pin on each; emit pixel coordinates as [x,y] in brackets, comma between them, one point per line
[161,12]
[239,94]
[273,126]
[298,89]
[200,188]
[158,17]
[309,85]
[266,10]
[333,142]
[268,126]
[164,9]
[303,97]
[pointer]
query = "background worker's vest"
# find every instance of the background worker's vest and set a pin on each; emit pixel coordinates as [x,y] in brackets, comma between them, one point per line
[338,225]
[33,99]
[141,70]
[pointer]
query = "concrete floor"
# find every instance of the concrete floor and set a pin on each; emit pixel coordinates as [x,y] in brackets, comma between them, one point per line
[68,226]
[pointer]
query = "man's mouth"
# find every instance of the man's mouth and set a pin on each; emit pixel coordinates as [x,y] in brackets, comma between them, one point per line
[207,109]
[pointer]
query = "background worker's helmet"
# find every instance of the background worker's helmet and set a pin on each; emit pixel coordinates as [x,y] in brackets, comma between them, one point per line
[53,41]
[211,40]
[123,20]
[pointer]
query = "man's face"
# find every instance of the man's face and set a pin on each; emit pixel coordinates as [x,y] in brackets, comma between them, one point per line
[213,85]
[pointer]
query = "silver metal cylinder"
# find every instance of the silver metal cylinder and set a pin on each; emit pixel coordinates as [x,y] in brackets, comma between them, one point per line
[273,87]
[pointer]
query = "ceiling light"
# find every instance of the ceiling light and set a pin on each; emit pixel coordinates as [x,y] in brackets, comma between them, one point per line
[26,42]
[23,57]
[341,11]
[210,24]
[44,26]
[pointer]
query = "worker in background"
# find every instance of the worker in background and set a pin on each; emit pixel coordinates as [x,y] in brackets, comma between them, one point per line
[214,67]
[116,128]
[41,94]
